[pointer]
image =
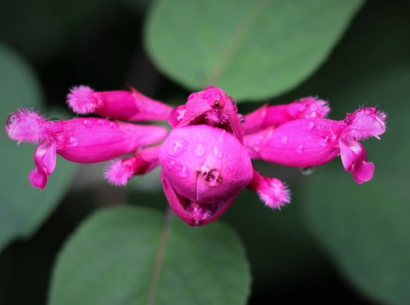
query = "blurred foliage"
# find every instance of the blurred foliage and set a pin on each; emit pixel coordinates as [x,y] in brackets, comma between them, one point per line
[23,208]
[129,255]
[240,46]
[337,242]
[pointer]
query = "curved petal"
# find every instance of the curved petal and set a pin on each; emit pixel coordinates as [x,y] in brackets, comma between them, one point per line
[45,159]
[354,159]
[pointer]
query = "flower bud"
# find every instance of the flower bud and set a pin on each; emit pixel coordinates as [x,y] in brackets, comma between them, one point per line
[273,116]
[82,140]
[313,142]
[210,106]
[204,168]
[122,105]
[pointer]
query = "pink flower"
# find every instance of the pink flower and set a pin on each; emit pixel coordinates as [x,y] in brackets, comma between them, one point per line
[210,106]
[206,158]
[204,164]
[122,105]
[204,168]
[273,116]
[82,140]
[313,142]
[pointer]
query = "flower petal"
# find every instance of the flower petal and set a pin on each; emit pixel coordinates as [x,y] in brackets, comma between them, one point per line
[354,159]
[45,159]
[124,105]
[272,191]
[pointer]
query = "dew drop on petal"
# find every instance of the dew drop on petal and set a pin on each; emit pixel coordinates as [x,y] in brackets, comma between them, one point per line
[177,146]
[200,150]
[218,152]
[255,147]
[181,114]
[101,122]
[311,126]
[307,170]
[73,141]
[182,171]
[300,149]
[284,140]
[88,123]
[324,142]
[196,223]
[170,163]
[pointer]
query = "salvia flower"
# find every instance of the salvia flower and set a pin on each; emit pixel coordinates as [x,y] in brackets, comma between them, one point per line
[313,142]
[205,159]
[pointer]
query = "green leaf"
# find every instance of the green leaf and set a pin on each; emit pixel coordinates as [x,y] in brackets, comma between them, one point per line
[365,228]
[22,207]
[131,255]
[251,49]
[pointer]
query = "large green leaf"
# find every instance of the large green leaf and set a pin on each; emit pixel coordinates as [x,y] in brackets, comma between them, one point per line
[365,228]
[22,207]
[251,49]
[131,255]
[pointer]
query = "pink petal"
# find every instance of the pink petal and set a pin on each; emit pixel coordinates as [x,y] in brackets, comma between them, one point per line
[272,191]
[38,178]
[273,116]
[89,140]
[124,105]
[26,125]
[364,123]
[45,157]
[193,213]
[297,143]
[144,161]
[354,160]
[210,106]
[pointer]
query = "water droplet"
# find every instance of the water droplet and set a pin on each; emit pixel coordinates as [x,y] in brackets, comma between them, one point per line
[177,168]
[254,147]
[88,123]
[111,124]
[311,126]
[181,114]
[182,171]
[324,141]
[200,150]
[73,141]
[170,163]
[307,170]
[300,149]
[284,140]
[218,152]
[101,122]
[196,223]
[177,146]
